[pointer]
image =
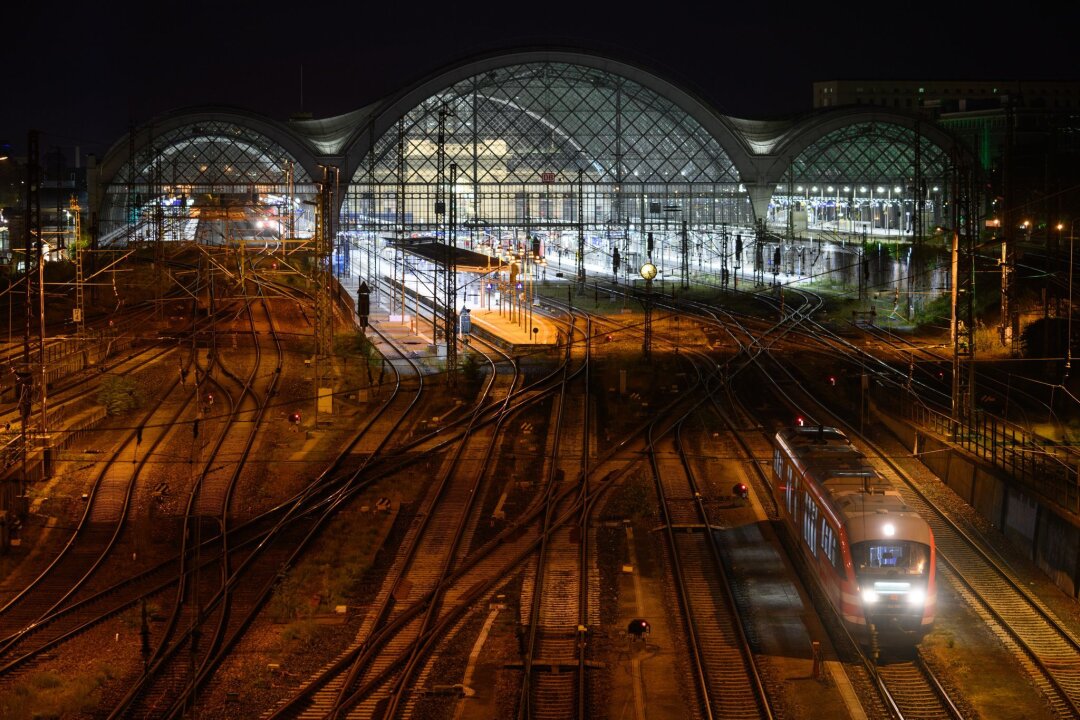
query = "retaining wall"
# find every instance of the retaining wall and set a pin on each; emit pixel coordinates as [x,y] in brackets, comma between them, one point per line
[1048,536]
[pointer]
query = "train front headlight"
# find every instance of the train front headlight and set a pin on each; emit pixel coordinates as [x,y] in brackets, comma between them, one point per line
[869,596]
[916,597]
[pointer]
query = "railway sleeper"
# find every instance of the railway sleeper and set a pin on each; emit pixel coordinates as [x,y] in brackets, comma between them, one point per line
[684,527]
[554,666]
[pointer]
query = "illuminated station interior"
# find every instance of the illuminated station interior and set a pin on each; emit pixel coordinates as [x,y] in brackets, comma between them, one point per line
[588,163]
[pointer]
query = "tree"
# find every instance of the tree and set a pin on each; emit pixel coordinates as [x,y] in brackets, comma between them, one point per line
[1045,338]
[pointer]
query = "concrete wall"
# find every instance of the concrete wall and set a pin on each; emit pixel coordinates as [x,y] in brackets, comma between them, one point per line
[1048,536]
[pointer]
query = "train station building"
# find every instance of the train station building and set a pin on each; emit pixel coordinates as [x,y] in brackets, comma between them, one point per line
[604,163]
[544,141]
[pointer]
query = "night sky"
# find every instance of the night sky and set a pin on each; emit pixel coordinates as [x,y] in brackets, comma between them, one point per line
[82,74]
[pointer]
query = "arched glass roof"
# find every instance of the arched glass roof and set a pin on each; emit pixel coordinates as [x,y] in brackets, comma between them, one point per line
[202,164]
[519,123]
[213,156]
[869,153]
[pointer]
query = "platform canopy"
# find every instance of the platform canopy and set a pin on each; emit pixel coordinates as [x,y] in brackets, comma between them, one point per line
[437,252]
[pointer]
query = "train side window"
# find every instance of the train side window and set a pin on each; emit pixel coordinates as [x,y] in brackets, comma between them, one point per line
[828,545]
[810,522]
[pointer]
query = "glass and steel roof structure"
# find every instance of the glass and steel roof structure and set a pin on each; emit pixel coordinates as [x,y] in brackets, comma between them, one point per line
[579,151]
[211,168]
[555,150]
[518,123]
[875,153]
[864,177]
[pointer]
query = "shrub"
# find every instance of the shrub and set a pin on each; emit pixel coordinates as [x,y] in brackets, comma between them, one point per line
[119,395]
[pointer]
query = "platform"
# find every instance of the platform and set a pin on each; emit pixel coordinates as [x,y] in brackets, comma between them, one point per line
[514,334]
[416,342]
[416,338]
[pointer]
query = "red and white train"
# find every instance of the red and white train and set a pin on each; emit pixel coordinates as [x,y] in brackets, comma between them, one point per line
[873,555]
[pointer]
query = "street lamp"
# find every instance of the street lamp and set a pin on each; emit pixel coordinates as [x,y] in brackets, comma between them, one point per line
[648,272]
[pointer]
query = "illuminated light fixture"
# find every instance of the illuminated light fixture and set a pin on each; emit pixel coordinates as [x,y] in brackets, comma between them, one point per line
[829,189]
[935,188]
[881,189]
[814,189]
[916,597]
[799,189]
[896,189]
[869,596]
[889,529]
[847,189]
[862,189]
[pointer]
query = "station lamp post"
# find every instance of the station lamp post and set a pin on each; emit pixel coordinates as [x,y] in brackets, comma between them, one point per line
[648,272]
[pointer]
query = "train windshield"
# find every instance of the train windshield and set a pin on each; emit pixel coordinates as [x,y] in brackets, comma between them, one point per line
[890,558]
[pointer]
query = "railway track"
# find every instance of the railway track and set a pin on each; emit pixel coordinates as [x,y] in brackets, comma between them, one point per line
[1040,640]
[84,615]
[169,673]
[904,691]
[724,669]
[557,603]
[714,632]
[425,562]
[915,690]
[478,575]
[96,534]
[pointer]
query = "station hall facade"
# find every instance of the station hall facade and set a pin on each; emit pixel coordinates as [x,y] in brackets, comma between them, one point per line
[583,153]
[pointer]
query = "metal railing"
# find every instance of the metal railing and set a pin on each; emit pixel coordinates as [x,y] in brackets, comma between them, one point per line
[1034,461]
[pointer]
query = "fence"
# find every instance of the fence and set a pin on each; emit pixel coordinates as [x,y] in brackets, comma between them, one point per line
[1036,462]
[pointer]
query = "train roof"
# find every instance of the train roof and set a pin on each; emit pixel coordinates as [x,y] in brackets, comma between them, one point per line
[843,473]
